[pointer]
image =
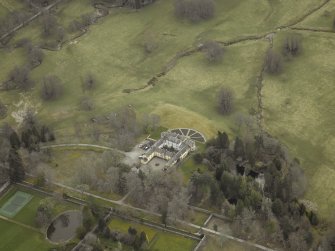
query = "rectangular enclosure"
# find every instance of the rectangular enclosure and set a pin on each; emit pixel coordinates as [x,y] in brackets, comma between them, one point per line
[15,204]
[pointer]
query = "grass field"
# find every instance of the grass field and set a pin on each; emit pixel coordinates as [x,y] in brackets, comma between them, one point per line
[123,226]
[18,238]
[169,242]
[299,109]
[158,240]
[217,244]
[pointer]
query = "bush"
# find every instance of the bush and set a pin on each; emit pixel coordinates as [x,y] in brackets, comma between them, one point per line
[273,62]
[3,110]
[225,101]
[86,104]
[213,51]
[81,232]
[197,158]
[194,10]
[52,88]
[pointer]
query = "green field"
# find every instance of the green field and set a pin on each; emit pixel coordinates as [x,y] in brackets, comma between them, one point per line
[123,226]
[158,240]
[18,238]
[298,104]
[169,242]
[300,109]
[217,244]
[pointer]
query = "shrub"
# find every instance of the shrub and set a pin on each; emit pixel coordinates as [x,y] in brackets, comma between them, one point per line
[81,232]
[86,104]
[197,158]
[3,110]
[273,62]
[194,10]
[213,51]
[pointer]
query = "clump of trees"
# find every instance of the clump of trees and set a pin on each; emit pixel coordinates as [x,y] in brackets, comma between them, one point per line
[82,23]
[52,88]
[134,238]
[45,212]
[273,62]
[35,56]
[213,51]
[12,20]
[126,127]
[264,211]
[52,32]
[19,78]
[195,10]
[225,101]
[106,174]
[18,149]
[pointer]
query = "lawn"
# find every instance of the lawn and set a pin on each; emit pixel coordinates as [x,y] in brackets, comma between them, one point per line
[123,226]
[197,218]
[217,244]
[158,240]
[297,110]
[188,167]
[169,242]
[300,111]
[18,238]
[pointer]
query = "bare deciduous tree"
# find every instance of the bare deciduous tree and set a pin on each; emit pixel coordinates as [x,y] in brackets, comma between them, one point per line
[89,83]
[52,88]
[213,51]
[273,62]
[225,101]
[49,24]
[35,56]
[292,45]
[19,78]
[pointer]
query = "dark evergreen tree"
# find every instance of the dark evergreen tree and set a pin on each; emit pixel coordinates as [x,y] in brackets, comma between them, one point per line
[278,207]
[16,170]
[14,140]
[222,140]
[239,151]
